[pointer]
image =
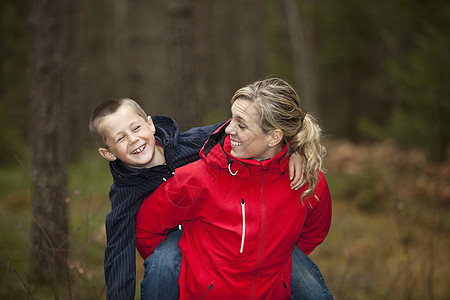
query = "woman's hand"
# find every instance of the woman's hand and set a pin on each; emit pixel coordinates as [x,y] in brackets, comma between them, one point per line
[295,170]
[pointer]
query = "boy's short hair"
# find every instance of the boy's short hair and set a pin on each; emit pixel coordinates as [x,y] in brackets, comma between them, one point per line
[105,109]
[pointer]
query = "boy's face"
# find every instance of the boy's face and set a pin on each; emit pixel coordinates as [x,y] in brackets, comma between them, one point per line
[129,137]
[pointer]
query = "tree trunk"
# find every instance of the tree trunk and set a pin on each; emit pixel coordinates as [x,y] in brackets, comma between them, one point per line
[203,55]
[50,238]
[182,81]
[75,80]
[302,53]
[138,48]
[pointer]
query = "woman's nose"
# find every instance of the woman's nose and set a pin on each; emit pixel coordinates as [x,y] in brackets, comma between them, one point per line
[230,128]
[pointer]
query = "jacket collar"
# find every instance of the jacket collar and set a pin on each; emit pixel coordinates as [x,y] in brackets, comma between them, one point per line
[217,152]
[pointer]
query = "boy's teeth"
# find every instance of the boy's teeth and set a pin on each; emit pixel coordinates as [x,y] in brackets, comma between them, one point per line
[139,150]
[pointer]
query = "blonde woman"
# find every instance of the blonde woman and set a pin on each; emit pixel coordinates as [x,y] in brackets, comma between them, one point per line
[242,222]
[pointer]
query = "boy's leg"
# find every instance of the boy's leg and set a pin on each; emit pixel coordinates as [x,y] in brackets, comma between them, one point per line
[306,280]
[162,270]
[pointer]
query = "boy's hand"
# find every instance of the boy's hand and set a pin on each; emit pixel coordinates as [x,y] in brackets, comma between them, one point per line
[295,171]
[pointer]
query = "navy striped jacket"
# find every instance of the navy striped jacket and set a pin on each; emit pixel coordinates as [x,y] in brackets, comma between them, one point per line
[130,187]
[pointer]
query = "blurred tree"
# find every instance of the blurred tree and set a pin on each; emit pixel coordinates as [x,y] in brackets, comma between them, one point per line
[146,55]
[383,70]
[239,51]
[347,49]
[203,54]
[138,45]
[420,81]
[302,47]
[180,48]
[48,43]
[279,49]
[186,59]
[225,67]
[75,86]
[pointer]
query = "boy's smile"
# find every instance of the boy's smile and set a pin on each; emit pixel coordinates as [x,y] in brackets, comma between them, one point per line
[139,150]
[130,138]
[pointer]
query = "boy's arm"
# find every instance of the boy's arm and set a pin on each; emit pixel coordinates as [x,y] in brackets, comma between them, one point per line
[120,252]
[120,268]
[189,145]
[296,171]
[200,135]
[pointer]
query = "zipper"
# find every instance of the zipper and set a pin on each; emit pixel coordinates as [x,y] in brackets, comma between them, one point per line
[263,232]
[207,290]
[243,225]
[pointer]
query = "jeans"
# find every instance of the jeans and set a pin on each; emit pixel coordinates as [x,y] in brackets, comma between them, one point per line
[162,269]
[306,280]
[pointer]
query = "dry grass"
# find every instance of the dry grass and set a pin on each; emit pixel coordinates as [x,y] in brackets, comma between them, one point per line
[389,237]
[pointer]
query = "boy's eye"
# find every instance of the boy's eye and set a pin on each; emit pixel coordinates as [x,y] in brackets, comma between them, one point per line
[137,127]
[120,138]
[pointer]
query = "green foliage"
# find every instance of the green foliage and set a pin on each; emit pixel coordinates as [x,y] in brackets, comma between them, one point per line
[279,54]
[421,80]
[89,181]
[383,68]
[89,175]
[370,130]
[350,58]
[366,190]
[14,109]
[15,221]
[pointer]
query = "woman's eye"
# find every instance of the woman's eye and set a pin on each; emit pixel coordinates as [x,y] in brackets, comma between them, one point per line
[241,126]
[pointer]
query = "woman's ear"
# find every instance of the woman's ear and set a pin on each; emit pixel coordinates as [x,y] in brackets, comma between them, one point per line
[275,138]
[106,154]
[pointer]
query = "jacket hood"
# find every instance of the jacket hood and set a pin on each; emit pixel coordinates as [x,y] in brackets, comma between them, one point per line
[217,150]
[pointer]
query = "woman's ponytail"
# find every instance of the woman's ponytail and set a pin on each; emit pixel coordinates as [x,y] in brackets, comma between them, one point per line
[308,143]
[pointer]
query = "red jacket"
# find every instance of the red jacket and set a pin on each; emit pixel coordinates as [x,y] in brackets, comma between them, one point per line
[241,222]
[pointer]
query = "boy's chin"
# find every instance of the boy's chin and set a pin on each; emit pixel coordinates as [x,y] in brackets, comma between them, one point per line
[138,164]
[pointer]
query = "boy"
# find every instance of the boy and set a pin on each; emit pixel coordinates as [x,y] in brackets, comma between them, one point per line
[143,152]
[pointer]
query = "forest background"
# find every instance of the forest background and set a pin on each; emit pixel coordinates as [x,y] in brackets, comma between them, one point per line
[375,73]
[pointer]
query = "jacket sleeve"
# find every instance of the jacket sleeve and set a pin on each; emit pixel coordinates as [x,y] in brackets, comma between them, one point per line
[318,221]
[199,135]
[171,204]
[120,251]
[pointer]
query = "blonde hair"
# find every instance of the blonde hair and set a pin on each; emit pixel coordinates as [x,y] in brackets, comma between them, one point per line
[279,107]
[105,109]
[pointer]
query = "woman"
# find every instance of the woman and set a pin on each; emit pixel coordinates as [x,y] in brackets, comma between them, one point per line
[241,220]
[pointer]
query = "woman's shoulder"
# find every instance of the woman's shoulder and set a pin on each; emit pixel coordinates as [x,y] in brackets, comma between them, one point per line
[192,171]
[322,190]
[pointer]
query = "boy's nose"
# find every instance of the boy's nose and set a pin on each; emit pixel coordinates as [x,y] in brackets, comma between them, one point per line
[133,139]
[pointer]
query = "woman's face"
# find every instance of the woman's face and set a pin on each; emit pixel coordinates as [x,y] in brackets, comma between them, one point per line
[248,141]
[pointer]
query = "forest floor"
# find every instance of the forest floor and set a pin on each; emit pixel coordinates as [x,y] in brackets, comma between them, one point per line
[389,237]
